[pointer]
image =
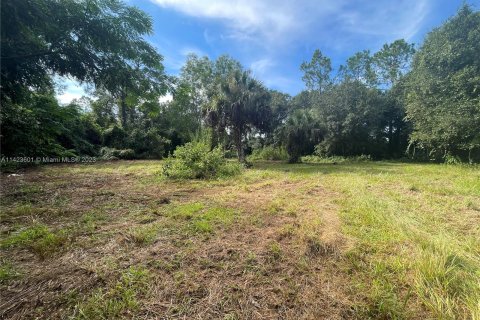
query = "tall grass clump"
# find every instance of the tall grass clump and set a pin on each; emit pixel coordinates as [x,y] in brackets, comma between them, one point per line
[195,160]
[269,153]
[334,159]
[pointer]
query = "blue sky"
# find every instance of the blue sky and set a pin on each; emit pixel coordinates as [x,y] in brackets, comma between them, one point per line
[273,37]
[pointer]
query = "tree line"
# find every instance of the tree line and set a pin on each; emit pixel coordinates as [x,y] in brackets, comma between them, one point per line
[401,101]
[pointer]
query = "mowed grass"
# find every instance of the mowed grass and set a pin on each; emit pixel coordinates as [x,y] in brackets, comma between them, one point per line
[365,240]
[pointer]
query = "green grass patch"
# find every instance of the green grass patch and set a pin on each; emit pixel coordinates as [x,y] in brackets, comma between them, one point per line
[202,219]
[39,239]
[143,234]
[91,220]
[117,301]
[416,238]
[7,271]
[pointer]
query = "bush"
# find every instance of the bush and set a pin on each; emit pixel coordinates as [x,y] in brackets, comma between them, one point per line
[268,153]
[107,153]
[195,160]
[451,159]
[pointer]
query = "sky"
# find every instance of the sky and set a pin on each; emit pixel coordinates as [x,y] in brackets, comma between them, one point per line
[273,37]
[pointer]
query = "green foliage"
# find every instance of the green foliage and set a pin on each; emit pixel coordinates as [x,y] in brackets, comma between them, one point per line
[392,62]
[443,92]
[351,115]
[144,234]
[359,67]
[195,160]
[78,39]
[242,105]
[115,137]
[87,40]
[378,103]
[300,134]
[147,143]
[269,153]
[41,127]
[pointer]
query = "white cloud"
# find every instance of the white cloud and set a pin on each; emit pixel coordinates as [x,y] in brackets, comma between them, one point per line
[276,22]
[68,97]
[262,66]
[166,98]
[188,50]
[68,90]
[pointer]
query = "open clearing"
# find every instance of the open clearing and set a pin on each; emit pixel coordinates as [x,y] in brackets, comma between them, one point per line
[353,240]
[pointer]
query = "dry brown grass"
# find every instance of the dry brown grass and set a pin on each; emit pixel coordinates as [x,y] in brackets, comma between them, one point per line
[277,260]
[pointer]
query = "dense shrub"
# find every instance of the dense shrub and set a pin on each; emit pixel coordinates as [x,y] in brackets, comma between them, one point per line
[195,160]
[115,137]
[268,153]
[148,143]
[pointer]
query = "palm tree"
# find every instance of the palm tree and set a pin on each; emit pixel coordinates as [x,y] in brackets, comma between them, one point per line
[244,103]
[301,131]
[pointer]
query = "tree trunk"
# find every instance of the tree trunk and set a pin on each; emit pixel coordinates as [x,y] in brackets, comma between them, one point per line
[123,109]
[390,138]
[237,137]
[213,138]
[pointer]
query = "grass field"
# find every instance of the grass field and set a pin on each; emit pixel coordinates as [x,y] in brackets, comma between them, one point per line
[379,240]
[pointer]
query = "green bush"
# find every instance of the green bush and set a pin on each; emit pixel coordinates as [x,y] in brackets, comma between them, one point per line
[195,160]
[268,153]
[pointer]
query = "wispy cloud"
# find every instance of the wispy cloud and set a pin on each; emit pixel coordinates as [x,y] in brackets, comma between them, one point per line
[244,19]
[278,22]
[188,50]
[400,19]
[262,66]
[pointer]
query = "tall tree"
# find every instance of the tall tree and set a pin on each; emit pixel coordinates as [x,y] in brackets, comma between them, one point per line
[198,74]
[351,115]
[94,41]
[85,39]
[359,67]
[316,73]
[244,104]
[443,93]
[392,62]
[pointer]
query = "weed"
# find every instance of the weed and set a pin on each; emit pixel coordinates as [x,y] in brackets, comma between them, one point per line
[144,234]
[274,252]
